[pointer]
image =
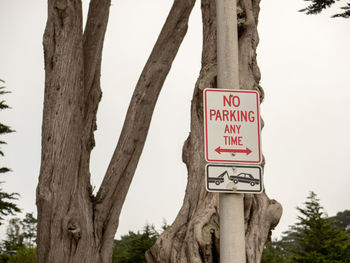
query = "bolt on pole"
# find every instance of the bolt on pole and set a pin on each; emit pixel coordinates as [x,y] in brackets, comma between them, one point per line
[232,236]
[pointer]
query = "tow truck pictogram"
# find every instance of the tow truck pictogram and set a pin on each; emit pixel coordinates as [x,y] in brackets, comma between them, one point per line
[240,178]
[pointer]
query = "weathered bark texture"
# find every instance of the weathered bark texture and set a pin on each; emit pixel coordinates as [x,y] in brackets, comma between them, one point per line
[73,225]
[194,235]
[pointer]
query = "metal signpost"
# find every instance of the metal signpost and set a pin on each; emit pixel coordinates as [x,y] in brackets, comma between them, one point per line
[232,138]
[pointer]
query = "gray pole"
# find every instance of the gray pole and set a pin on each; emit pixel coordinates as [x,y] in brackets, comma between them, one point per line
[232,237]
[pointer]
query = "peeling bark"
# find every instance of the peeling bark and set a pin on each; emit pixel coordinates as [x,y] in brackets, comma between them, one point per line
[194,235]
[73,225]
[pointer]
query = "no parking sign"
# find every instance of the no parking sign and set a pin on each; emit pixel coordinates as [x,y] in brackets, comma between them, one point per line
[232,126]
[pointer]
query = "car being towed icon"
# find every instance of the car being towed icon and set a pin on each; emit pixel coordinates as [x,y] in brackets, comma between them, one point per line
[244,178]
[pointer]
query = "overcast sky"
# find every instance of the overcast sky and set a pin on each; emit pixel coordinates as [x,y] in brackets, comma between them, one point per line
[305,66]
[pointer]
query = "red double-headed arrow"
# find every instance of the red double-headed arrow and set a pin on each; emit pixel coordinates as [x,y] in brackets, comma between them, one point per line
[219,150]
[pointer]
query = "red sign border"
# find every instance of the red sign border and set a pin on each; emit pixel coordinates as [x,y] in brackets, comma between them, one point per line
[206,128]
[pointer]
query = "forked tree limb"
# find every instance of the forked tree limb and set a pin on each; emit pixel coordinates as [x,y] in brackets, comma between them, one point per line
[73,227]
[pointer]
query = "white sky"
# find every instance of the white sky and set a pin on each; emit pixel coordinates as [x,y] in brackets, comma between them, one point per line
[305,66]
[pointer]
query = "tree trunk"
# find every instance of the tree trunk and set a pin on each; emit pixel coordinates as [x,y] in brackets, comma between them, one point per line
[194,235]
[74,225]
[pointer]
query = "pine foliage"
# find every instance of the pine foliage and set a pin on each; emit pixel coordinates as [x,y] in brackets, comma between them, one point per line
[4,129]
[7,207]
[346,11]
[317,6]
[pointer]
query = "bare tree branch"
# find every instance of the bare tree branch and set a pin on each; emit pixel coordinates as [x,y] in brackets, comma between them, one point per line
[94,34]
[115,185]
[93,39]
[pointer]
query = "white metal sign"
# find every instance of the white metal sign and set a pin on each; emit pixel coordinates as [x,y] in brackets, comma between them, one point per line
[232,126]
[233,179]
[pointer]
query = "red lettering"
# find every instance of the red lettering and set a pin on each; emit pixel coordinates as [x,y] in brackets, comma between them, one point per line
[243,116]
[232,128]
[240,140]
[238,128]
[232,100]
[230,140]
[227,100]
[236,101]
[233,140]
[218,115]
[212,114]
[227,130]
[225,115]
[232,115]
[251,116]
[226,139]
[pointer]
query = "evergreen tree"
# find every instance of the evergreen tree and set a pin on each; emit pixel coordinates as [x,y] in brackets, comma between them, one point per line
[342,219]
[131,248]
[318,239]
[281,251]
[14,240]
[20,233]
[29,230]
[274,253]
[7,207]
[315,238]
